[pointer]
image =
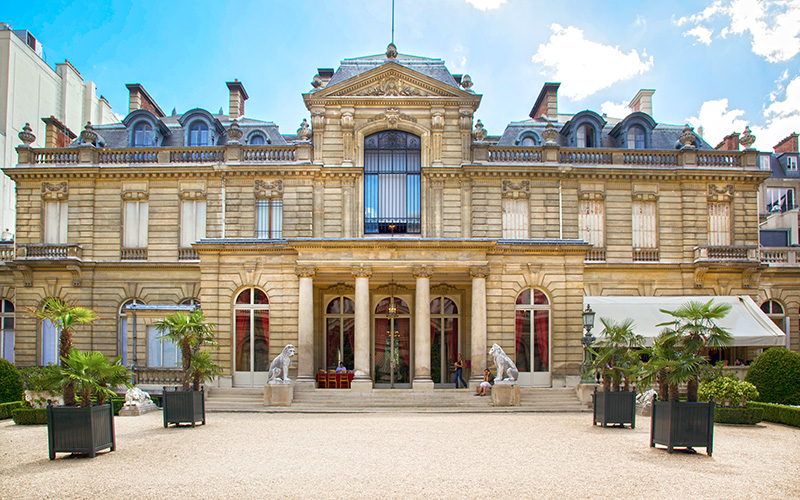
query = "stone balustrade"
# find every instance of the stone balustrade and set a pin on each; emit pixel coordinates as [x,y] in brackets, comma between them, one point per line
[134,254]
[157,375]
[45,251]
[6,251]
[725,253]
[188,254]
[779,256]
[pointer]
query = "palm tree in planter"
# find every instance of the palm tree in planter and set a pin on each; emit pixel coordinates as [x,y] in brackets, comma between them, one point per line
[677,355]
[65,317]
[617,360]
[87,428]
[189,331]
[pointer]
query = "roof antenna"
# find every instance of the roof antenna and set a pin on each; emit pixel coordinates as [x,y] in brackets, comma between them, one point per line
[393,22]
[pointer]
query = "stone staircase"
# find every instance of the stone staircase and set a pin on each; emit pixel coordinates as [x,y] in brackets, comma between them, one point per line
[391,400]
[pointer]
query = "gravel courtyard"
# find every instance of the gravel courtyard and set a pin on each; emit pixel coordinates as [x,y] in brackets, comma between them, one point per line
[400,455]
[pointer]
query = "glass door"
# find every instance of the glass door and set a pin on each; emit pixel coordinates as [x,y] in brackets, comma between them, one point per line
[444,340]
[532,334]
[251,338]
[392,344]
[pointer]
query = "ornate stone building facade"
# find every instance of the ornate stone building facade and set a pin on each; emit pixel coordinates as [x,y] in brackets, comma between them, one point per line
[390,233]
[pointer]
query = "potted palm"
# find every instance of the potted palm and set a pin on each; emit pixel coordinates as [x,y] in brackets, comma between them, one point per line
[88,428]
[189,331]
[676,358]
[617,361]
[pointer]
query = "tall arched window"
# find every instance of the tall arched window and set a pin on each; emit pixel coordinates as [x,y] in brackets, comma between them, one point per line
[636,137]
[340,332]
[444,338]
[122,329]
[392,183]
[585,136]
[198,134]
[256,139]
[251,311]
[7,330]
[143,135]
[532,331]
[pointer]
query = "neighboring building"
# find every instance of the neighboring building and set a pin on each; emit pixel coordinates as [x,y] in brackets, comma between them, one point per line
[392,233]
[54,103]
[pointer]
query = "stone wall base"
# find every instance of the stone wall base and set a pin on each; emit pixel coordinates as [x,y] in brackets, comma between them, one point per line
[278,394]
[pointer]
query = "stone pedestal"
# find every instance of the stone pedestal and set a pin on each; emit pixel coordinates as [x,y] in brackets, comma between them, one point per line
[585,391]
[278,394]
[505,394]
[137,409]
[422,385]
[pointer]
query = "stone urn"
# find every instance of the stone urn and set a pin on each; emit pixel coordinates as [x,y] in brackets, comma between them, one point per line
[235,132]
[88,135]
[747,138]
[687,137]
[304,132]
[26,135]
[550,134]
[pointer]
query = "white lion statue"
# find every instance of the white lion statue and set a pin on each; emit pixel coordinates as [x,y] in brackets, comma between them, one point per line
[280,366]
[135,397]
[506,369]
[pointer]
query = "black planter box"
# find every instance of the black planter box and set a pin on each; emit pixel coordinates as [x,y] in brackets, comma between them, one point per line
[614,407]
[183,407]
[678,424]
[80,429]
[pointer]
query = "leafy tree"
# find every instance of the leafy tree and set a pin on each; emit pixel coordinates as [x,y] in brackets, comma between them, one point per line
[92,374]
[189,331]
[617,356]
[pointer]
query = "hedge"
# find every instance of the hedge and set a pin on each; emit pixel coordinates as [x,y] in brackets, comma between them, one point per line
[776,375]
[789,415]
[10,382]
[29,416]
[7,408]
[749,416]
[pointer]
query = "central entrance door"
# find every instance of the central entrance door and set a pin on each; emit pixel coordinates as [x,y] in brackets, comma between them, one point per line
[444,340]
[392,344]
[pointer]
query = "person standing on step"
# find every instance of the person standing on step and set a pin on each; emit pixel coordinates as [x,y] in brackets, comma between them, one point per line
[459,370]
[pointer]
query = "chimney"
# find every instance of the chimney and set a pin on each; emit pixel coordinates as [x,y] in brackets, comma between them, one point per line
[547,102]
[140,99]
[325,74]
[788,145]
[237,97]
[643,101]
[57,135]
[729,143]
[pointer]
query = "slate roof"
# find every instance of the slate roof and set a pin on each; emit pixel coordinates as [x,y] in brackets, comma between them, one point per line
[431,67]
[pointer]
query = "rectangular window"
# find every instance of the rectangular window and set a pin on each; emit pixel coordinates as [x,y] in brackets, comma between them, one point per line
[269,218]
[791,163]
[779,199]
[55,222]
[764,162]
[7,338]
[644,224]
[193,222]
[135,224]
[50,335]
[161,352]
[591,221]
[515,219]
[719,224]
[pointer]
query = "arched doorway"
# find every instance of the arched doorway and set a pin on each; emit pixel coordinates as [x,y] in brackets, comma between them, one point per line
[532,338]
[339,332]
[392,343]
[251,338]
[444,339]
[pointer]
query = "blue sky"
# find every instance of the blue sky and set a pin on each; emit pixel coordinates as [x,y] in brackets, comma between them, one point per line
[722,64]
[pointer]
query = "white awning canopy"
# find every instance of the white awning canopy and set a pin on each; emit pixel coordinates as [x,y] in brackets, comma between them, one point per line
[747,323]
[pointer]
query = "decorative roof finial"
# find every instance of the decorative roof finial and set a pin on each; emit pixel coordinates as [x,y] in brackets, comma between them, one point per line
[235,132]
[466,82]
[687,137]
[747,138]
[549,134]
[88,135]
[304,132]
[479,134]
[391,51]
[317,81]
[26,135]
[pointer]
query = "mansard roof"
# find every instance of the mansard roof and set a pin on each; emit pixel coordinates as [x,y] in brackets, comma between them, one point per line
[431,67]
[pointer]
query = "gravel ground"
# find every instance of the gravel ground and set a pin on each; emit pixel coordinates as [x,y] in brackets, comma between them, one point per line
[400,455]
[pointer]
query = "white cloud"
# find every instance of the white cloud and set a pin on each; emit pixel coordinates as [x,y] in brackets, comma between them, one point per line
[717,120]
[615,109]
[584,67]
[772,25]
[782,118]
[486,4]
[702,34]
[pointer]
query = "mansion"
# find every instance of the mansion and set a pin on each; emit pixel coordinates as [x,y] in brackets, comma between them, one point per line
[390,233]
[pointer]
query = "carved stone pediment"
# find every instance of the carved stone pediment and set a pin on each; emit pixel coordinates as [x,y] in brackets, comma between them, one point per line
[392,116]
[392,80]
[54,192]
[392,86]
[267,190]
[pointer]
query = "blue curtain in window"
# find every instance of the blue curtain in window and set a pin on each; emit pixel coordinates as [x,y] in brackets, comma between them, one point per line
[392,183]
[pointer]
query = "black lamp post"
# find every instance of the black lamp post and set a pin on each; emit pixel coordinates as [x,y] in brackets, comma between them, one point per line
[588,338]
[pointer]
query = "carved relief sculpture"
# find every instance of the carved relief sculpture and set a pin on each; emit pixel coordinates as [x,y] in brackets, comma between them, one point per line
[521,190]
[479,133]
[507,372]
[280,366]
[393,87]
[54,192]
[266,191]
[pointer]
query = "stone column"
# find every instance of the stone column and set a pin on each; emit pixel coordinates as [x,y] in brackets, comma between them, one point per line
[305,326]
[478,330]
[422,330]
[362,379]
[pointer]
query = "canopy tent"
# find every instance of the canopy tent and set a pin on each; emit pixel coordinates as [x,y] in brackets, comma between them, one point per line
[747,323]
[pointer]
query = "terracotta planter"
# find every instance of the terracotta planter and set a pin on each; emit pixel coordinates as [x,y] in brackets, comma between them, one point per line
[183,407]
[678,424]
[615,408]
[80,429]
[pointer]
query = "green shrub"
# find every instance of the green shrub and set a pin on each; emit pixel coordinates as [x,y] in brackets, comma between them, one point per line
[789,415]
[709,372]
[29,416]
[10,382]
[34,377]
[727,391]
[776,375]
[7,408]
[749,416]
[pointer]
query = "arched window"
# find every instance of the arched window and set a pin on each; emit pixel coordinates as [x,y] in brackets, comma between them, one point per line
[122,329]
[585,136]
[392,342]
[527,141]
[251,312]
[143,135]
[392,183]
[198,134]
[7,330]
[775,311]
[636,137]
[444,338]
[190,302]
[256,139]
[532,331]
[339,332]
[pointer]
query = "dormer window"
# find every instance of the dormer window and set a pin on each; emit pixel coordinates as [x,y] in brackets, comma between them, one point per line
[585,136]
[198,134]
[636,137]
[257,139]
[791,163]
[143,135]
[528,139]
